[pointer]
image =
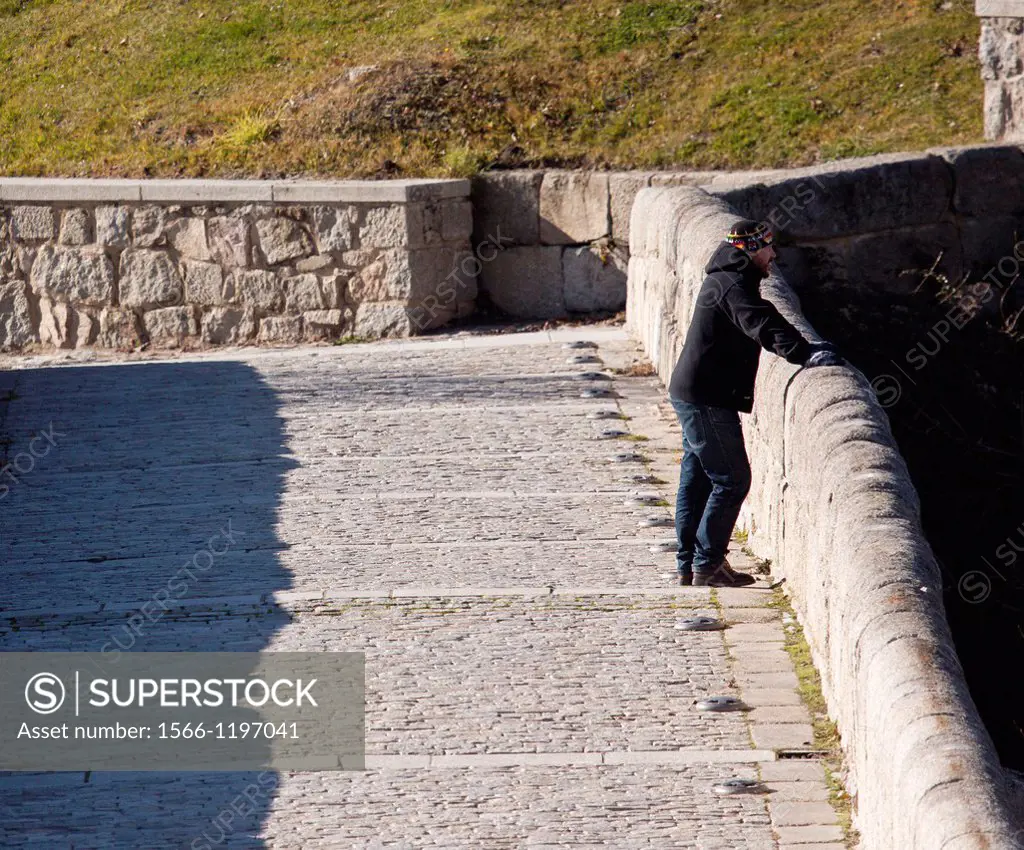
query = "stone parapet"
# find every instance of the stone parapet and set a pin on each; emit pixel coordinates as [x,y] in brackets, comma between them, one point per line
[121,263]
[1001,53]
[833,506]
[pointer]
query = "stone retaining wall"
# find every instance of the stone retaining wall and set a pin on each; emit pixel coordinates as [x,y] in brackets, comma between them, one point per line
[832,504]
[118,263]
[1001,54]
[564,237]
[875,225]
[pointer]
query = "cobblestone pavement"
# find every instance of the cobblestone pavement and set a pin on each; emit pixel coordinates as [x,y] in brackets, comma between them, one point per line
[453,509]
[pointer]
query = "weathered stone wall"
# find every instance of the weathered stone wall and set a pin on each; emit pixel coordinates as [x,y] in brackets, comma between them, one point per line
[832,504]
[563,238]
[120,263]
[564,235]
[1001,53]
[872,226]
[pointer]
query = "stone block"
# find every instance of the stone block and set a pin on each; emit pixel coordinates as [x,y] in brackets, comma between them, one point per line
[75,275]
[149,279]
[777,736]
[25,256]
[228,238]
[997,110]
[799,770]
[526,282]
[803,813]
[205,284]
[378,276]
[993,247]
[801,835]
[260,289]
[75,227]
[769,697]
[16,328]
[622,190]
[333,227]
[573,207]
[594,279]
[318,262]
[55,320]
[1000,48]
[148,226]
[989,181]
[896,262]
[456,221]
[844,199]
[188,238]
[119,328]
[112,226]
[320,325]
[801,791]
[335,288]
[86,327]
[390,227]
[306,292]
[690,178]
[170,326]
[32,224]
[815,267]
[280,329]
[282,239]
[506,207]
[779,714]
[379,319]
[402,274]
[444,286]
[228,325]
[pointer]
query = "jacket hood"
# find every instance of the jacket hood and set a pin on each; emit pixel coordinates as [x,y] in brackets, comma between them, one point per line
[729,258]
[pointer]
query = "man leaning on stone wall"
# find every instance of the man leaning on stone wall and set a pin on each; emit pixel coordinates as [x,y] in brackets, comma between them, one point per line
[713,382]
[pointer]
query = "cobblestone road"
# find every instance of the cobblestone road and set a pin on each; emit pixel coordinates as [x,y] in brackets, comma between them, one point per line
[452,509]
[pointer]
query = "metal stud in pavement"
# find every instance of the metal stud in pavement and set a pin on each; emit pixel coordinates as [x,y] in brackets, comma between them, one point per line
[721,704]
[646,479]
[728,787]
[583,358]
[593,376]
[658,548]
[627,458]
[643,501]
[613,433]
[700,624]
[656,522]
[605,414]
[579,343]
[596,393]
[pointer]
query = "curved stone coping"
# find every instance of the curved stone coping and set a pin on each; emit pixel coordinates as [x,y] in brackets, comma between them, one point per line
[84,190]
[833,505]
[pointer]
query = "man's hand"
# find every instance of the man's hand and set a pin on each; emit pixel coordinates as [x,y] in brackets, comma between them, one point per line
[824,357]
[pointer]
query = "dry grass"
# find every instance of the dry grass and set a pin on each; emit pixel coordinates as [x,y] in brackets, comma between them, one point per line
[122,87]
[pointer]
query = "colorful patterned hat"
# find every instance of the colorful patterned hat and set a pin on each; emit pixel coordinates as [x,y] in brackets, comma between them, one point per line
[750,236]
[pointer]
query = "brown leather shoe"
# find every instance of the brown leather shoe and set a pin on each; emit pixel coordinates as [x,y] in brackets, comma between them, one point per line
[723,576]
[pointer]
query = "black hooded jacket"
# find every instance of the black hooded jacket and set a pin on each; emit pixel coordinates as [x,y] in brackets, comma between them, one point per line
[731,324]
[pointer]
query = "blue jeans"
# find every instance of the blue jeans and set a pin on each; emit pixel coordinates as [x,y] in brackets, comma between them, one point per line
[714,479]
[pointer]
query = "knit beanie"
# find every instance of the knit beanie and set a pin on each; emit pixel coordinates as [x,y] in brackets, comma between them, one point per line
[750,236]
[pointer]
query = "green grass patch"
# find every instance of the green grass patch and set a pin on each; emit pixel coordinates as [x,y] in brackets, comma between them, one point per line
[259,88]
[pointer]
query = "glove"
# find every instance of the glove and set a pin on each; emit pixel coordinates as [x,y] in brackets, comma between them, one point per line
[824,358]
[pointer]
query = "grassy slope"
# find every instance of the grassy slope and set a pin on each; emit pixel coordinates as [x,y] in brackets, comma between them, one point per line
[164,87]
